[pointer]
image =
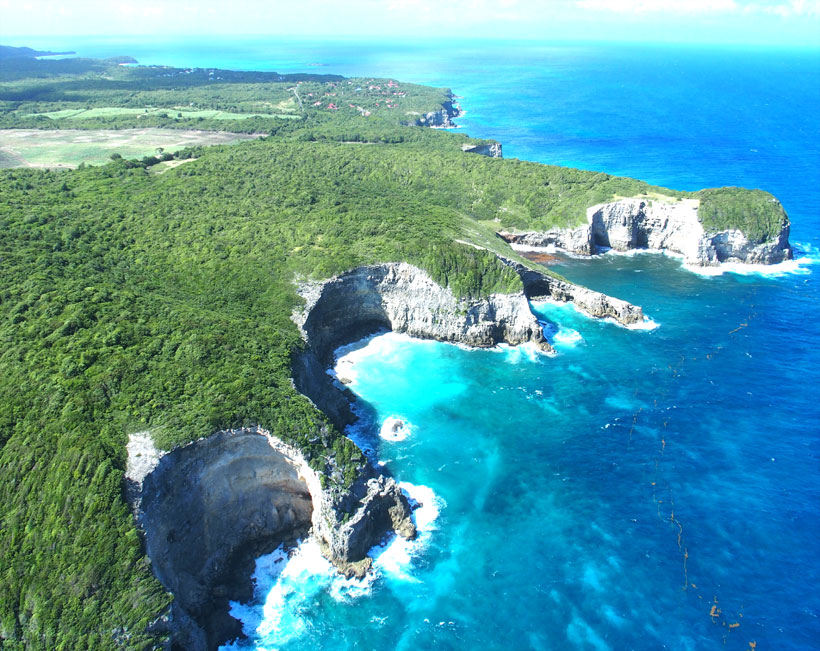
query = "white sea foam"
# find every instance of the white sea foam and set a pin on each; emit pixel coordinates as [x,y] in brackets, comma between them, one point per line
[286,585]
[799,267]
[395,429]
[395,559]
[385,345]
[646,324]
[633,252]
[567,337]
[526,352]
[805,255]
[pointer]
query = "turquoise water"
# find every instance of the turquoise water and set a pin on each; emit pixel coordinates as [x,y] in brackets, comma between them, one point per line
[639,489]
[607,497]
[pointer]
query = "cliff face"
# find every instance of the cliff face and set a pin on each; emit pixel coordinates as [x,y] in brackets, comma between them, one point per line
[207,510]
[641,223]
[492,150]
[539,286]
[442,118]
[403,298]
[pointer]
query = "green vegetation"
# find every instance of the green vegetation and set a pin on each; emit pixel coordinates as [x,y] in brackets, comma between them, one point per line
[133,300]
[88,93]
[757,213]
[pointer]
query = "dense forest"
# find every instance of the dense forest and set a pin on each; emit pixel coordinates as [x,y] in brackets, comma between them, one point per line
[132,300]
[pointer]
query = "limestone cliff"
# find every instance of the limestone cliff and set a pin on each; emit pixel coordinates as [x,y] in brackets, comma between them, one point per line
[541,286]
[491,150]
[403,298]
[662,225]
[441,118]
[208,509]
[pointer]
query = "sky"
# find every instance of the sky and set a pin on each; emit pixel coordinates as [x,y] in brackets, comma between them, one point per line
[749,22]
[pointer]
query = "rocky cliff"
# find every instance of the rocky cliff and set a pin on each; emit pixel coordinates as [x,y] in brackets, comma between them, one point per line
[206,511]
[403,298]
[442,118]
[209,509]
[663,225]
[541,286]
[491,150]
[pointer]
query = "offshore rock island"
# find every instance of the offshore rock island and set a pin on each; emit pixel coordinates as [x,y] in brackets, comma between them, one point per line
[168,321]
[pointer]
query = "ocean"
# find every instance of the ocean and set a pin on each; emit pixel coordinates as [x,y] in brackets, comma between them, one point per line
[643,489]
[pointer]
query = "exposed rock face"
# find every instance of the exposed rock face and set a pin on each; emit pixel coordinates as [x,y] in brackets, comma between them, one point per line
[493,149]
[442,118]
[542,286]
[347,523]
[207,510]
[643,223]
[403,298]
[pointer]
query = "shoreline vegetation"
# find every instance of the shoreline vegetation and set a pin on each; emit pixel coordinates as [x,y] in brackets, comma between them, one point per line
[135,301]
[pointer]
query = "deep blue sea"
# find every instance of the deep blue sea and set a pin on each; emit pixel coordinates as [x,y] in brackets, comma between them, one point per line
[654,489]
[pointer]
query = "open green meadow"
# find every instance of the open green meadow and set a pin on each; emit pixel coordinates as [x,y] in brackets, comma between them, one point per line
[180,113]
[70,147]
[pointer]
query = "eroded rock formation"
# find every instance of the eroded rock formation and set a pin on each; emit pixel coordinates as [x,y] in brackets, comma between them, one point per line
[662,225]
[492,149]
[207,510]
[403,298]
[442,118]
[541,286]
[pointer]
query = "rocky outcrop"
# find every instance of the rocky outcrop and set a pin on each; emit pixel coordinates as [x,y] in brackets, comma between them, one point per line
[662,225]
[492,149]
[541,286]
[442,118]
[348,521]
[208,509]
[403,298]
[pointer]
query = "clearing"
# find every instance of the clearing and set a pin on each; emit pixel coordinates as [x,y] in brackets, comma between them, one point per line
[70,147]
[174,112]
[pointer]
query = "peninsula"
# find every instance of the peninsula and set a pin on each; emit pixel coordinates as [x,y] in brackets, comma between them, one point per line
[167,320]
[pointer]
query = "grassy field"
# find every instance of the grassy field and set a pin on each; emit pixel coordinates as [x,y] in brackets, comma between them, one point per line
[69,148]
[177,112]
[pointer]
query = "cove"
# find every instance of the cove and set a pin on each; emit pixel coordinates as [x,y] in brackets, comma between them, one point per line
[637,489]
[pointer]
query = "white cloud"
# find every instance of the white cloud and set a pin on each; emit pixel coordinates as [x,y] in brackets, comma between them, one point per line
[785,8]
[462,11]
[659,6]
[792,8]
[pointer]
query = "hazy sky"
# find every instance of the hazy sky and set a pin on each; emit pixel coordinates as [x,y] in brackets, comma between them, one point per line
[770,22]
